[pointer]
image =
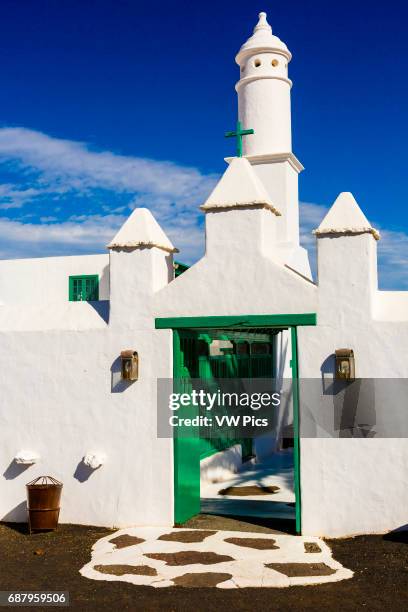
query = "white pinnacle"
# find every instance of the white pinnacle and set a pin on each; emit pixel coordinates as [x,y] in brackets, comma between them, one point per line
[262,23]
[262,40]
[141,230]
[345,217]
[239,187]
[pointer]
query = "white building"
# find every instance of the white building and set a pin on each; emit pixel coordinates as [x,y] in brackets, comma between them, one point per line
[64,322]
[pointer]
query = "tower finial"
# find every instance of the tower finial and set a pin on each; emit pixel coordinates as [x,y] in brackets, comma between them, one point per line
[262,23]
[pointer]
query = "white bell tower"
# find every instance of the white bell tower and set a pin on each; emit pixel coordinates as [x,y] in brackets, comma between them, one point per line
[264,106]
[264,91]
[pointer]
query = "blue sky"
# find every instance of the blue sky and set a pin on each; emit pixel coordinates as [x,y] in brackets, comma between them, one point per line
[107,105]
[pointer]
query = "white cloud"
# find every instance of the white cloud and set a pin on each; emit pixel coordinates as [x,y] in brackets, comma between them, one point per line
[35,240]
[12,197]
[93,229]
[70,165]
[50,169]
[53,168]
[393,259]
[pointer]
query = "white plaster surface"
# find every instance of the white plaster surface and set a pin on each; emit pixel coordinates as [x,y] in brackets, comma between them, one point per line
[65,396]
[261,38]
[247,569]
[239,187]
[42,282]
[141,230]
[356,485]
[346,217]
[221,466]
[258,284]
[26,457]
[94,459]
[264,105]
[264,92]
[353,486]
[390,306]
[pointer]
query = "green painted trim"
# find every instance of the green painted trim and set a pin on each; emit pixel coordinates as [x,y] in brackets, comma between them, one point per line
[82,277]
[186,455]
[296,440]
[278,320]
[176,376]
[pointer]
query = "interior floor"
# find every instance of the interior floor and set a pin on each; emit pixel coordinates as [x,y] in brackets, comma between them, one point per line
[275,471]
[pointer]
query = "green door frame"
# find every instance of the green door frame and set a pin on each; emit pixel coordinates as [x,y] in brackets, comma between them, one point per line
[278,321]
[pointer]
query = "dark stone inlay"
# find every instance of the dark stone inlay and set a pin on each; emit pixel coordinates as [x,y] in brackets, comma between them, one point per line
[189,557]
[121,570]
[312,547]
[258,543]
[207,579]
[126,540]
[188,537]
[249,490]
[300,570]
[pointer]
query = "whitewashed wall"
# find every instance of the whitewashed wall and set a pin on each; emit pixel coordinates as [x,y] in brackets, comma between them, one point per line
[350,485]
[62,396]
[45,280]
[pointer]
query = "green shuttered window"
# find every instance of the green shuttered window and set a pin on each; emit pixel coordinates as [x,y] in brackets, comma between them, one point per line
[84,288]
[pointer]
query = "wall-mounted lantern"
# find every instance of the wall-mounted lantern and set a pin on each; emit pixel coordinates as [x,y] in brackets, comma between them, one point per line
[345,365]
[130,365]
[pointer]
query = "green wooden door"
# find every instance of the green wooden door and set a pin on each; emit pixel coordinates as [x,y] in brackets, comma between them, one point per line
[296,426]
[187,444]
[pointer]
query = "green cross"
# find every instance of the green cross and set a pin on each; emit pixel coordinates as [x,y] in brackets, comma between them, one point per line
[238,134]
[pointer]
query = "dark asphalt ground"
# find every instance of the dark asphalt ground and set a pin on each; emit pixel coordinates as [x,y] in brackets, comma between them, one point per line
[380,564]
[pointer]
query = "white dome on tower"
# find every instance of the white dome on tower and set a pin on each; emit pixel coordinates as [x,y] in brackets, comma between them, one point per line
[262,40]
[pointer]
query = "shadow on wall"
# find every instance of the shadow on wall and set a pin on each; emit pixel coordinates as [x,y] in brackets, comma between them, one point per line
[104,283]
[17,514]
[118,385]
[15,469]
[170,268]
[83,471]
[327,370]
[102,308]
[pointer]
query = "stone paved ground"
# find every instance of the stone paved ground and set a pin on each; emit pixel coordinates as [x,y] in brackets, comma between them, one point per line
[53,560]
[163,557]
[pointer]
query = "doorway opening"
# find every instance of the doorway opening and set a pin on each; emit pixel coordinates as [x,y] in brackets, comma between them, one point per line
[226,474]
